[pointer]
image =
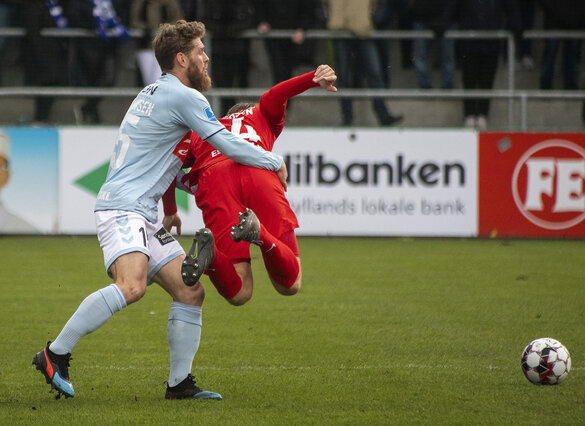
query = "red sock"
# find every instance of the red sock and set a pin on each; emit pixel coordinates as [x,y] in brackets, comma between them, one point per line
[223,275]
[280,261]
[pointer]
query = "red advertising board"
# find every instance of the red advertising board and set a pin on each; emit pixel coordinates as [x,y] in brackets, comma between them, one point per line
[532,184]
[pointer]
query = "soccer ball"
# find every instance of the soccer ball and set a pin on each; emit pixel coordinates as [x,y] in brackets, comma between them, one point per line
[546,361]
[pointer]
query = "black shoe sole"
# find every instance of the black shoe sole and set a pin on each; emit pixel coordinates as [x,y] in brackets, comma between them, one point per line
[245,229]
[199,257]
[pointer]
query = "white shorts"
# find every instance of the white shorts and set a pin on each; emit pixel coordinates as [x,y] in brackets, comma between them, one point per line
[121,232]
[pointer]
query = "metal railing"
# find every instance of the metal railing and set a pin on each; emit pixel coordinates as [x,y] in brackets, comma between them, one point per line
[511,93]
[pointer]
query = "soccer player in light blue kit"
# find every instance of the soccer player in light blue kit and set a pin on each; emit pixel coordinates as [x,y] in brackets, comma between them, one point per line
[137,249]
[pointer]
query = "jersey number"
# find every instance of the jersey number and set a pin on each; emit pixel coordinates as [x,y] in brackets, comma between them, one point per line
[250,134]
[123,142]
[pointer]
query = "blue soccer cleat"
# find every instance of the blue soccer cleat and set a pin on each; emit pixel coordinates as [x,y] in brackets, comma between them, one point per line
[55,368]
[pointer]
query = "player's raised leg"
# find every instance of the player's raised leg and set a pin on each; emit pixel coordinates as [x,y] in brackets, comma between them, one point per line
[281,262]
[233,281]
[199,257]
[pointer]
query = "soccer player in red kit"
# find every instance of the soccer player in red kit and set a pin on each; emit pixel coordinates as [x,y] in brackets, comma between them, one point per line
[224,189]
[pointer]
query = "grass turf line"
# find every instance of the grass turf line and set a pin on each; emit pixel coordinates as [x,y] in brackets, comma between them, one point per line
[385,331]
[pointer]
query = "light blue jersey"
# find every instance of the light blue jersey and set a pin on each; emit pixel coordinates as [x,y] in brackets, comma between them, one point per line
[147,155]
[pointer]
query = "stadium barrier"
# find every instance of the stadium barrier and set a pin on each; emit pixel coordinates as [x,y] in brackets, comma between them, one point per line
[517,100]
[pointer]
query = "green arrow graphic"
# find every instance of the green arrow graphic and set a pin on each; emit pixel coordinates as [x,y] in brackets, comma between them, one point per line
[94,180]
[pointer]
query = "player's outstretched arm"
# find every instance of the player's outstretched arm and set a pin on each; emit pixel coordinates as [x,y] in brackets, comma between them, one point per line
[273,101]
[244,152]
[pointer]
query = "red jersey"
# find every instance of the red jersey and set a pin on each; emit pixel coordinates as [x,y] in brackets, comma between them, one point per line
[260,125]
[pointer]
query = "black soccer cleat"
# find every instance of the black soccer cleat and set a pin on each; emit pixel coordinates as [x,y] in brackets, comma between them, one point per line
[248,229]
[187,390]
[55,368]
[199,257]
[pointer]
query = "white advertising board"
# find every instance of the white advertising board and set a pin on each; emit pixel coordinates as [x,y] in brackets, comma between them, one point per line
[375,182]
[382,182]
[83,152]
[84,155]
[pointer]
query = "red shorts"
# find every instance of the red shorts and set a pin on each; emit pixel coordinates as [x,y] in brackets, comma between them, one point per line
[226,188]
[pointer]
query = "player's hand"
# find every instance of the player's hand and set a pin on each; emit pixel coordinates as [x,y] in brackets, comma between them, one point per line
[172,220]
[325,77]
[282,174]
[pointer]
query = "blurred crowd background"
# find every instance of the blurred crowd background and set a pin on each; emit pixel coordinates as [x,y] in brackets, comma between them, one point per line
[115,57]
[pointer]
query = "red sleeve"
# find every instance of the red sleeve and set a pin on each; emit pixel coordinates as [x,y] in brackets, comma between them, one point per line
[189,160]
[169,200]
[273,101]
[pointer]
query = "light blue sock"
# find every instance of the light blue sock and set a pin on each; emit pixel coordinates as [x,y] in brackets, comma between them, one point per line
[92,313]
[183,335]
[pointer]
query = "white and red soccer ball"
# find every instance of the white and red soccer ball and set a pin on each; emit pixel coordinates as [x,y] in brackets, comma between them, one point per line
[546,361]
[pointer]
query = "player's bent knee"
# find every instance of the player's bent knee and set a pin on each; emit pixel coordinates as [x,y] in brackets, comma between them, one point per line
[241,298]
[132,291]
[289,291]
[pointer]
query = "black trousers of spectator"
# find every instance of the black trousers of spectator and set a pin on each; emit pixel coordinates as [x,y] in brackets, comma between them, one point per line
[230,63]
[478,71]
[283,55]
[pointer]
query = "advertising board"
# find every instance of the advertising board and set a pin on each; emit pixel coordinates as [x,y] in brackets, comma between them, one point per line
[382,182]
[532,184]
[376,182]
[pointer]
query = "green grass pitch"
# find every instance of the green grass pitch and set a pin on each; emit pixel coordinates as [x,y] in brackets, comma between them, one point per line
[384,331]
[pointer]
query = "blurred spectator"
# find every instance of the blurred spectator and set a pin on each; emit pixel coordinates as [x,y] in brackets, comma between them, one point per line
[229,62]
[191,9]
[428,15]
[43,57]
[479,57]
[285,54]
[355,16]
[95,58]
[390,14]
[147,15]
[7,12]
[562,15]
[527,14]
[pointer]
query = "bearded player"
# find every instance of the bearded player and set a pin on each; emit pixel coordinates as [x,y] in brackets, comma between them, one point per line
[137,250]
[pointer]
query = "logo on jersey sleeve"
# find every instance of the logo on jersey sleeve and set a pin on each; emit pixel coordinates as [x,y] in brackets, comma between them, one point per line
[209,114]
[182,148]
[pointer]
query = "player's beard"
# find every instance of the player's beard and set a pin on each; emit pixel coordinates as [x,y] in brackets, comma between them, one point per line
[198,81]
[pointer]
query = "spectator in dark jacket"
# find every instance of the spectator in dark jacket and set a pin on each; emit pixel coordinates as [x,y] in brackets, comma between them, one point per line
[44,63]
[96,57]
[562,15]
[7,19]
[285,53]
[224,21]
[478,58]
[426,15]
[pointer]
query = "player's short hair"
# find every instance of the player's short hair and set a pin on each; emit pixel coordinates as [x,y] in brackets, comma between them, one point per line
[240,106]
[174,38]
